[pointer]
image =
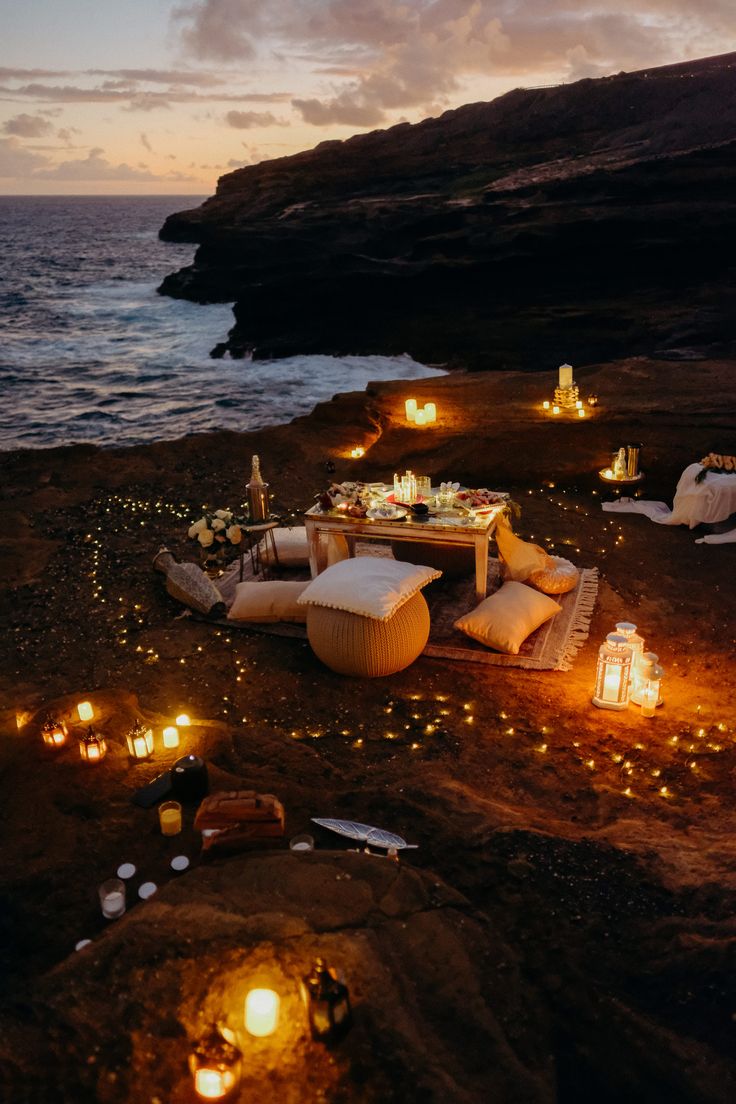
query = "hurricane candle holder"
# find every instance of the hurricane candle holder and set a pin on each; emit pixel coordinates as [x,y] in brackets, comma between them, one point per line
[92,746]
[54,733]
[612,673]
[140,741]
[216,1065]
[112,898]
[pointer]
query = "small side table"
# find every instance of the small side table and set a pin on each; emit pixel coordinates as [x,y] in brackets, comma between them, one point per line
[260,558]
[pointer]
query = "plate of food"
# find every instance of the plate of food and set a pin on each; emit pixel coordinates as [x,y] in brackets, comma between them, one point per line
[387,512]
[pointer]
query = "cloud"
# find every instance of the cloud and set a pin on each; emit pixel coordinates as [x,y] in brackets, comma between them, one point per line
[145,143]
[16,161]
[27,126]
[391,56]
[94,167]
[131,97]
[65,134]
[246,120]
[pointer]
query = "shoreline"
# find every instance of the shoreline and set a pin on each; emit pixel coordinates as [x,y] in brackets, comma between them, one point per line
[584,886]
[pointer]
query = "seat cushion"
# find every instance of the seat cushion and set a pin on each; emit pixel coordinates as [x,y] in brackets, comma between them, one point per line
[560,577]
[506,619]
[372,586]
[268,602]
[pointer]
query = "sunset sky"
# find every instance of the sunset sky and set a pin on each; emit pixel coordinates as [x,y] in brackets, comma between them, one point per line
[159,96]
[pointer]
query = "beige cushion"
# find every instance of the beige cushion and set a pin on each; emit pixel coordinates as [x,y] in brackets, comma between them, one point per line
[372,586]
[505,620]
[293,551]
[559,578]
[268,602]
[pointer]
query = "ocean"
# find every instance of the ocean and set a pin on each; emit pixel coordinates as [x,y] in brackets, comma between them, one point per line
[90,352]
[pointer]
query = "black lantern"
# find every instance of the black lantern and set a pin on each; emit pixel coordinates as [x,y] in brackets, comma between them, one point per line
[328,1003]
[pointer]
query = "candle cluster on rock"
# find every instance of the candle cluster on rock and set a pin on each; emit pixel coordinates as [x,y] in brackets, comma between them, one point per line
[425,415]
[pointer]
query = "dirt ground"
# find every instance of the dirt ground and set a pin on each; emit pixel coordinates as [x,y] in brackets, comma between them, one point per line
[597,848]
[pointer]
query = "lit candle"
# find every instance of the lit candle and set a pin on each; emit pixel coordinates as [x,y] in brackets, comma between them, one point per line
[411,409]
[357,452]
[566,375]
[140,741]
[420,418]
[171,737]
[578,405]
[608,473]
[92,746]
[54,733]
[555,410]
[261,1012]
[581,413]
[85,711]
[169,817]
[183,720]
[210,1084]
[430,412]
[112,898]
[545,404]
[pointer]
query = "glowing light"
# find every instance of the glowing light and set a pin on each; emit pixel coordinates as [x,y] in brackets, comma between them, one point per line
[261,1012]
[183,720]
[85,711]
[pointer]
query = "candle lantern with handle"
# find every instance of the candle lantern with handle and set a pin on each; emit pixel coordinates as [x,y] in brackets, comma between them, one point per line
[92,746]
[636,643]
[216,1064]
[612,673]
[54,733]
[140,741]
[328,1003]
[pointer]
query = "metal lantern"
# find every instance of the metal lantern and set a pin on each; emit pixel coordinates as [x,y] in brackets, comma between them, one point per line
[92,746]
[140,741]
[612,674]
[216,1065]
[328,1003]
[54,733]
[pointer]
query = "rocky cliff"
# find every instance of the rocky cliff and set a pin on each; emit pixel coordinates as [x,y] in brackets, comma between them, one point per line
[584,221]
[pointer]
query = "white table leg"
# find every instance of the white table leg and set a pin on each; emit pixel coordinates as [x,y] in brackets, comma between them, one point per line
[481,565]
[313,545]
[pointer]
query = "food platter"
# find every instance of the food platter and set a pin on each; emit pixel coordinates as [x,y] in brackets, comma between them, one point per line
[628,481]
[389,512]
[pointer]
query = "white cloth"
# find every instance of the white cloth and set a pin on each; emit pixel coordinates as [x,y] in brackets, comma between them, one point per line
[694,503]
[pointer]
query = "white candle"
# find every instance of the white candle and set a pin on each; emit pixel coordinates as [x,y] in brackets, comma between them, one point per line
[261,1012]
[578,404]
[545,404]
[85,711]
[183,720]
[430,412]
[555,410]
[420,418]
[171,737]
[581,413]
[113,905]
[411,409]
[210,1084]
[566,375]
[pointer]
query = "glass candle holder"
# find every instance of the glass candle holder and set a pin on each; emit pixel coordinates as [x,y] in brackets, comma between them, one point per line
[261,1012]
[169,818]
[171,737]
[183,720]
[424,486]
[302,843]
[112,898]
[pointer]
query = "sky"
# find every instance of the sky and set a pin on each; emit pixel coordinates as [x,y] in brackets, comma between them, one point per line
[148,97]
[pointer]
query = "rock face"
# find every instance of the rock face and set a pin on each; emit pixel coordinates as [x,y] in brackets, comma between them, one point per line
[585,221]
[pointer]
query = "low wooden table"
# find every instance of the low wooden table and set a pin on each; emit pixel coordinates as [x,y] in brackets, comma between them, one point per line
[471,532]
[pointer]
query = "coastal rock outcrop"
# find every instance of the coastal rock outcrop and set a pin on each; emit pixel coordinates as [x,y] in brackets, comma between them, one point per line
[587,220]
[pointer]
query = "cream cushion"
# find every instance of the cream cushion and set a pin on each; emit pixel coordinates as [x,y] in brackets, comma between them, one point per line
[560,577]
[292,548]
[268,602]
[505,620]
[372,586]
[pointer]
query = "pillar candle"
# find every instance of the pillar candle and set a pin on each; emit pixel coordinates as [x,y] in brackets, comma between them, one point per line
[411,409]
[545,404]
[171,737]
[85,711]
[261,1011]
[566,375]
[430,412]
[420,418]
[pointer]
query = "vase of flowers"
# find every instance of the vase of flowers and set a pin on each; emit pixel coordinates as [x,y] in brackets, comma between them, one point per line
[219,534]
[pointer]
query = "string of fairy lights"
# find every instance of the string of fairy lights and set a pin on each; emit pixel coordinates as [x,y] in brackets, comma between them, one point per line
[421,725]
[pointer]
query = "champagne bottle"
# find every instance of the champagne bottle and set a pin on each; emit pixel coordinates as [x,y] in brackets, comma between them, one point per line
[187,583]
[257,494]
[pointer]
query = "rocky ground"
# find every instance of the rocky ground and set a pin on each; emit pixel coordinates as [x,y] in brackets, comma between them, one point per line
[565,930]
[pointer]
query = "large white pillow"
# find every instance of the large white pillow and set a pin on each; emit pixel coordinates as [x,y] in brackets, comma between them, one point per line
[268,602]
[505,620]
[292,547]
[373,586]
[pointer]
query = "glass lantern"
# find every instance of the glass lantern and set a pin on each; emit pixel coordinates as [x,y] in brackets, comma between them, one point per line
[92,746]
[54,733]
[612,673]
[648,692]
[636,643]
[328,1003]
[216,1065]
[140,741]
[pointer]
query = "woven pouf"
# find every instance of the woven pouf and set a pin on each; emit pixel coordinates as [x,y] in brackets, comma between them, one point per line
[364,647]
[452,560]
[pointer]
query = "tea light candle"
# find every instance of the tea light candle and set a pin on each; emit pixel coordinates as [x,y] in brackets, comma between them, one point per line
[261,1012]
[555,410]
[430,412]
[301,843]
[357,452]
[578,404]
[545,404]
[581,413]
[183,720]
[169,818]
[85,711]
[420,418]
[171,737]
[411,409]
[112,898]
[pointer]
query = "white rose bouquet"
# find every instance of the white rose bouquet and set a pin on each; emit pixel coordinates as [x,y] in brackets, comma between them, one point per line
[218,532]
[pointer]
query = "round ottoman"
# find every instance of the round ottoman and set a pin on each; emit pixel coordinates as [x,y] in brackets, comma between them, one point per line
[451,561]
[354,645]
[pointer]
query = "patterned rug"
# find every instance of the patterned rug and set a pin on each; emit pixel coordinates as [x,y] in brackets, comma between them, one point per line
[552,647]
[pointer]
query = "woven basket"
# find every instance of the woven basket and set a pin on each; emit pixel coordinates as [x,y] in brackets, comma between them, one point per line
[364,647]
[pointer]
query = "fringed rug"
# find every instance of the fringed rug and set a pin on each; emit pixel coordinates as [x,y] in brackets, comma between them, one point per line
[552,647]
